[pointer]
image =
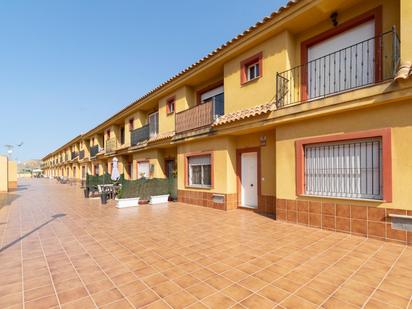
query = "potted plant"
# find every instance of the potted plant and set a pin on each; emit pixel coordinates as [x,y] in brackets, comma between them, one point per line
[128,195]
[159,191]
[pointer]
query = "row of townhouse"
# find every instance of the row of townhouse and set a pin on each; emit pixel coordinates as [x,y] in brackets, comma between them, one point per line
[306,116]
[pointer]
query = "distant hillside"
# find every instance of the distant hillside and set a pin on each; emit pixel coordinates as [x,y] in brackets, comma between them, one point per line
[28,165]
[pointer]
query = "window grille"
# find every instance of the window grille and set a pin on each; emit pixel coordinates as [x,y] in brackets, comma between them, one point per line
[351,169]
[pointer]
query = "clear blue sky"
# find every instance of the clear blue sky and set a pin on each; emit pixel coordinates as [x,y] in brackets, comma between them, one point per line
[65,66]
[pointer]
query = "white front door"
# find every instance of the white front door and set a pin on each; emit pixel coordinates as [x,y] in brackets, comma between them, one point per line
[249,181]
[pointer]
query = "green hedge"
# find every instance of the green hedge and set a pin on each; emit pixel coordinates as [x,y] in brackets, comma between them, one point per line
[93,181]
[144,188]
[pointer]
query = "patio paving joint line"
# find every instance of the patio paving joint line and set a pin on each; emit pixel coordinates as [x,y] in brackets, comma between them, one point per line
[353,273]
[384,277]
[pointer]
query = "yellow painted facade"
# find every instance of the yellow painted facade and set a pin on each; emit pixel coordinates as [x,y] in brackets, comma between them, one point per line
[8,174]
[254,117]
[396,116]
[4,174]
[12,174]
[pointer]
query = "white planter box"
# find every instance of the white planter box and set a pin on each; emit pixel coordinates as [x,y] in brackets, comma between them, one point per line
[159,199]
[127,202]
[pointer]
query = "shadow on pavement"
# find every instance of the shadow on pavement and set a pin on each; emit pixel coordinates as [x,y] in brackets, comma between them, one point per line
[54,217]
[7,198]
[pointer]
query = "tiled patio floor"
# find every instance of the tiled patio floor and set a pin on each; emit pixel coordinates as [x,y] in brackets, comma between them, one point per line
[181,256]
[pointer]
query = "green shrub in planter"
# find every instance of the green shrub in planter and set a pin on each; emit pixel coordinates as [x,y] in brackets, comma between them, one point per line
[129,189]
[94,181]
[144,188]
[172,182]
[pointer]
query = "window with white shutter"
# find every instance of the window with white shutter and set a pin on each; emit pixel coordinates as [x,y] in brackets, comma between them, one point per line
[200,171]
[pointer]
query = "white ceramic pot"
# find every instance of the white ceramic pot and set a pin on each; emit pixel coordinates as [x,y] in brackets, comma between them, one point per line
[159,199]
[127,202]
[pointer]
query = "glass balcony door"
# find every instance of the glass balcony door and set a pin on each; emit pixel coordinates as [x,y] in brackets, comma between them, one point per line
[154,124]
[217,97]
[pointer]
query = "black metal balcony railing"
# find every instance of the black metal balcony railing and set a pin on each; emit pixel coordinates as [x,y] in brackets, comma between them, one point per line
[81,154]
[365,63]
[139,135]
[74,154]
[94,150]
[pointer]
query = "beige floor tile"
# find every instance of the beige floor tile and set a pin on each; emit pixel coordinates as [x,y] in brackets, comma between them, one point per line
[68,285]
[42,303]
[201,290]
[237,292]
[107,296]
[186,281]
[312,295]
[72,295]
[143,298]
[159,304]
[194,254]
[391,298]
[180,300]
[11,300]
[274,293]
[334,303]
[119,304]
[234,275]
[374,303]
[218,282]
[132,288]
[293,302]
[218,300]
[98,286]
[167,288]
[257,301]
[83,303]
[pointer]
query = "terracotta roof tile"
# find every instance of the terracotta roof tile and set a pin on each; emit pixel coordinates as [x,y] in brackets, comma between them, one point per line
[139,145]
[161,136]
[264,21]
[405,71]
[245,113]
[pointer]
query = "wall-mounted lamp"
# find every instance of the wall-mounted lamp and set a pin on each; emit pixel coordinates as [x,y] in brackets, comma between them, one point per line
[334,18]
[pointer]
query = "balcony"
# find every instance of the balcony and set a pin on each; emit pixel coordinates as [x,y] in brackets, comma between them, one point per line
[111,145]
[139,135]
[94,150]
[74,155]
[200,116]
[81,154]
[363,64]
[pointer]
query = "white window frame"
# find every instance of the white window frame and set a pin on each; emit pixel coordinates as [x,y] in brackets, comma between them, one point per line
[139,168]
[171,103]
[255,67]
[202,165]
[156,123]
[206,96]
[345,169]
